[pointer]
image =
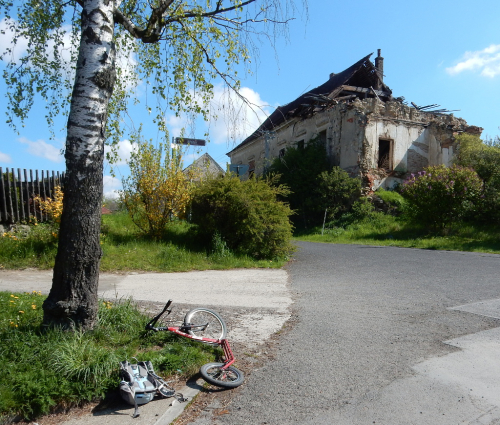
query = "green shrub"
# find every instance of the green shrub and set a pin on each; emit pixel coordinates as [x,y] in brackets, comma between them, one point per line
[299,169]
[337,191]
[246,215]
[394,201]
[439,196]
[484,158]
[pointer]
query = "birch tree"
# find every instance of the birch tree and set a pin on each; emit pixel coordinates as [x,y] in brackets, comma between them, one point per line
[71,54]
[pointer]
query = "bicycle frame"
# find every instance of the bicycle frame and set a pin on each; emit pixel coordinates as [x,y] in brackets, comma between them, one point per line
[179,330]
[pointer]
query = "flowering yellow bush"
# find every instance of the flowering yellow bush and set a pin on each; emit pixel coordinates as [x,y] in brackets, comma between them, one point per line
[157,191]
[53,207]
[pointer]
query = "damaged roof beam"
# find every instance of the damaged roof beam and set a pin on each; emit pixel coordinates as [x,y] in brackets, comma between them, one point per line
[364,90]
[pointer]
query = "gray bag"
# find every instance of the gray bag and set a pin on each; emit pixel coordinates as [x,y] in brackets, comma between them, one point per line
[139,384]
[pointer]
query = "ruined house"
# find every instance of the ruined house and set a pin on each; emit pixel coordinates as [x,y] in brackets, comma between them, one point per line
[366,130]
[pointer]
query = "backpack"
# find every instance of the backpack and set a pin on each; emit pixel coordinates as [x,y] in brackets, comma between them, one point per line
[139,384]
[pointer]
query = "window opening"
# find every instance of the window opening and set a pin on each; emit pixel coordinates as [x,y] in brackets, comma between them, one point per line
[322,137]
[251,169]
[385,154]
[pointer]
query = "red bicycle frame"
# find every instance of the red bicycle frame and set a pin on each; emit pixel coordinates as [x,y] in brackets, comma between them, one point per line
[223,343]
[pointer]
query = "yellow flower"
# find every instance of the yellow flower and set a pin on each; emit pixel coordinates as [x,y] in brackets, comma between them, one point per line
[33,306]
[12,301]
[20,311]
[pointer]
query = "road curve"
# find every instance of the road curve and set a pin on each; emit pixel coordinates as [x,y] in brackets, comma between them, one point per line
[384,335]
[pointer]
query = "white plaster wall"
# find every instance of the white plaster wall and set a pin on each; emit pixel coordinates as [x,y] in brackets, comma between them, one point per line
[351,140]
[403,137]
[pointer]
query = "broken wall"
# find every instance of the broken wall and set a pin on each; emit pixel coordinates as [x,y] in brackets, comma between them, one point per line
[352,134]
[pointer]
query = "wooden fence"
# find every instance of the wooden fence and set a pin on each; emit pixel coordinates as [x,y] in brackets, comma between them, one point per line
[18,192]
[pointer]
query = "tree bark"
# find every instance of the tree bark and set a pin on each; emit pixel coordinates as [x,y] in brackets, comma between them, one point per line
[72,302]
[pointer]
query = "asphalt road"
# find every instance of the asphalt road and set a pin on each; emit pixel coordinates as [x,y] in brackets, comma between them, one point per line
[383,335]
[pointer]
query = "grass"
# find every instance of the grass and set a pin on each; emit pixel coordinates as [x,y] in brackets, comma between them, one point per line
[125,249]
[44,370]
[385,230]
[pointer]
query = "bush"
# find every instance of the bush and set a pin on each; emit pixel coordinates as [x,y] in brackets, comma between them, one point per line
[439,196]
[393,202]
[484,158]
[337,191]
[245,215]
[299,169]
[157,191]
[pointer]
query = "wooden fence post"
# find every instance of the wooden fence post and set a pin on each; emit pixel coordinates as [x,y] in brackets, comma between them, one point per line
[3,199]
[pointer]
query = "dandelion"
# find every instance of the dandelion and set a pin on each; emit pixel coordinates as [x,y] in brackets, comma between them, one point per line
[14,325]
[33,306]
[12,301]
[20,311]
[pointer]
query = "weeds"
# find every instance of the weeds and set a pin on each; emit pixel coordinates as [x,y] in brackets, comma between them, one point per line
[385,230]
[47,369]
[125,249]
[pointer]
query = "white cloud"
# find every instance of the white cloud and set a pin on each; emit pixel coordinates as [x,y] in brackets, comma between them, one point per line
[236,118]
[6,37]
[5,158]
[112,187]
[42,149]
[123,150]
[487,61]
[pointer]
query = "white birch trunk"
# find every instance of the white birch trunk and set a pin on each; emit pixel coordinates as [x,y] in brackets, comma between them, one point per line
[73,298]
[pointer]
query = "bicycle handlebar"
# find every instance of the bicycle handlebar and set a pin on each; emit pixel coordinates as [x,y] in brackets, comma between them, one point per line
[151,324]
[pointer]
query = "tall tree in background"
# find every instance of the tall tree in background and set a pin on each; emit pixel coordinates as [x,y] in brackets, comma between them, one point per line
[100,48]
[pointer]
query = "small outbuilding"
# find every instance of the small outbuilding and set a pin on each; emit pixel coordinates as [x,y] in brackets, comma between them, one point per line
[205,165]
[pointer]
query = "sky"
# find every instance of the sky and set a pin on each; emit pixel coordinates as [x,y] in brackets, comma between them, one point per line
[444,52]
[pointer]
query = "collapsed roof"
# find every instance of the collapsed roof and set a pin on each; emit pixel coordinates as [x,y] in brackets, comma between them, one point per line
[362,80]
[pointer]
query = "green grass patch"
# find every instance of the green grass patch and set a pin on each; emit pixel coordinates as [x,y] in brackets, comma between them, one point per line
[385,230]
[45,370]
[126,249]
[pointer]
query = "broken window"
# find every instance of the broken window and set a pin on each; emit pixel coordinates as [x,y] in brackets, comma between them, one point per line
[385,154]
[322,137]
[300,144]
[251,169]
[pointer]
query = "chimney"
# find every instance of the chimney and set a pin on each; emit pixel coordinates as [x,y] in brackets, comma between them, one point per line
[379,64]
[332,74]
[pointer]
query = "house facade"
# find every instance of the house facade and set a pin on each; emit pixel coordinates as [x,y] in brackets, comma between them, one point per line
[366,130]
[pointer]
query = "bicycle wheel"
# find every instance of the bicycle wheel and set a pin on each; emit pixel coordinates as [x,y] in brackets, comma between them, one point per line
[215,329]
[228,378]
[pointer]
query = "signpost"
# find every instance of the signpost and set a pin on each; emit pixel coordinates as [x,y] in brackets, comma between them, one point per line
[187,141]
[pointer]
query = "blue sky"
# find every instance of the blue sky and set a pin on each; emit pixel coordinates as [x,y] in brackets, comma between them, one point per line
[435,52]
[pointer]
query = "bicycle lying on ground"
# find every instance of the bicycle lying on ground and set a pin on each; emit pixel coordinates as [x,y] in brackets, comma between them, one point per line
[204,325]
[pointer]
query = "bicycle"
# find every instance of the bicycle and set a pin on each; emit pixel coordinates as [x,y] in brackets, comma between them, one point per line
[206,326]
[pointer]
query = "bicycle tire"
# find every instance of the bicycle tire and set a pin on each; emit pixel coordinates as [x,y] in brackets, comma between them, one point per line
[228,378]
[216,328]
